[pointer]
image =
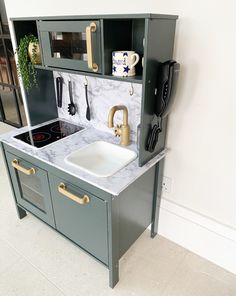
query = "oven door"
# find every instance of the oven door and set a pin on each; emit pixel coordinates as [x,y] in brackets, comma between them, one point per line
[31,187]
[71,44]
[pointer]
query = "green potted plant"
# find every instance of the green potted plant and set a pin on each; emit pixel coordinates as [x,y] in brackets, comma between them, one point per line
[28,56]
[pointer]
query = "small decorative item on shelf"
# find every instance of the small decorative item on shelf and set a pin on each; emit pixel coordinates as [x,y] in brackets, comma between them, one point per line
[123,63]
[28,56]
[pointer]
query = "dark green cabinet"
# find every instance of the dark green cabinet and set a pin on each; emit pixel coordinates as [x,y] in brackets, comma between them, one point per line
[42,193]
[103,225]
[71,44]
[80,216]
[31,187]
[107,225]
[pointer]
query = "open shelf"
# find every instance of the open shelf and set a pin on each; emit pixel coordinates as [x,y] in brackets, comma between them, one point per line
[123,34]
[24,27]
[133,79]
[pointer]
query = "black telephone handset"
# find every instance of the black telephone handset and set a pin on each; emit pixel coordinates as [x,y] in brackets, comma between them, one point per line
[166,87]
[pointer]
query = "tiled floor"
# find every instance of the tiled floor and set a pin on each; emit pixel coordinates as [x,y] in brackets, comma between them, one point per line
[37,261]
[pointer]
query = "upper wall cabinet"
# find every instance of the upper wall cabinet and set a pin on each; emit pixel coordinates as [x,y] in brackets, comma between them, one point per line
[85,44]
[71,44]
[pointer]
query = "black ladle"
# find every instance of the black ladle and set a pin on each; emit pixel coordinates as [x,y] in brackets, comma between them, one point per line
[71,106]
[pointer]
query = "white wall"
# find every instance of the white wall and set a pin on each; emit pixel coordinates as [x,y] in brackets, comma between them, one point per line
[202,138]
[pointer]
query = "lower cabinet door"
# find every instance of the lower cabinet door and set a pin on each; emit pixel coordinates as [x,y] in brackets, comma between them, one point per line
[31,187]
[80,216]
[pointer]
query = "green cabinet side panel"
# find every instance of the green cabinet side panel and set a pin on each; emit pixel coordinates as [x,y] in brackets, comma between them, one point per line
[135,209]
[113,240]
[20,212]
[159,43]
[85,224]
[41,100]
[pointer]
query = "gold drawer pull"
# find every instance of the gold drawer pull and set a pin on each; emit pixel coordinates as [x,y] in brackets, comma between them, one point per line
[89,30]
[28,172]
[80,200]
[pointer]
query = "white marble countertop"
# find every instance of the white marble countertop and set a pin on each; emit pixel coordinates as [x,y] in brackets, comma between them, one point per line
[55,153]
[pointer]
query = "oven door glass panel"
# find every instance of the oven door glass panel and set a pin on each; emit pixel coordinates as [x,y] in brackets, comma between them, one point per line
[31,188]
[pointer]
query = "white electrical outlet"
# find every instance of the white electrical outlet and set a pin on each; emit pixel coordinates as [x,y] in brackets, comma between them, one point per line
[166,185]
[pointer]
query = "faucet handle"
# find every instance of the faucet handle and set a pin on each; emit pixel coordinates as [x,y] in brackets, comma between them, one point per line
[117,130]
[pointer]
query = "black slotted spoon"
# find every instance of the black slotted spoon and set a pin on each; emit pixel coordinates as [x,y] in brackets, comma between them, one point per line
[71,106]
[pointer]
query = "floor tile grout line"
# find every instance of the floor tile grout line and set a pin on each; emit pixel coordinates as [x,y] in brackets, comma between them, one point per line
[175,271]
[35,267]
[217,278]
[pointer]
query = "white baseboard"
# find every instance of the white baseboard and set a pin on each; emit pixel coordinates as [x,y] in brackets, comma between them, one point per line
[207,238]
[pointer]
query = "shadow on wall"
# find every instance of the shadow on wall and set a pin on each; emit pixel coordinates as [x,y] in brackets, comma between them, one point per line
[187,85]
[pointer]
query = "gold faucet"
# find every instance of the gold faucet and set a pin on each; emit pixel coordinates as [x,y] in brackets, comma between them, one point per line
[121,130]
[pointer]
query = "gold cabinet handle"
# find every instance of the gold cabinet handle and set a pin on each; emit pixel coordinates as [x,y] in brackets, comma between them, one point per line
[80,200]
[16,165]
[89,30]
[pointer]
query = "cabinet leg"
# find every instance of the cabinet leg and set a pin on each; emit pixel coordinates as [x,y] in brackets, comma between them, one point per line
[20,212]
[114,274]
[157,197]
[113,241]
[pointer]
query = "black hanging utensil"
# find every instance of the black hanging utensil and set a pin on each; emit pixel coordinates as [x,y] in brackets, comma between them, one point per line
[59,85]
[71,106]
[86,96]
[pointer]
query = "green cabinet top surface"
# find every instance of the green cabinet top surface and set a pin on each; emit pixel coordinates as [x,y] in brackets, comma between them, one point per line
[101,16]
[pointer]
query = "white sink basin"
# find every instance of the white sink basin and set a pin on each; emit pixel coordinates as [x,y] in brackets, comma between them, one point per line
[101,159]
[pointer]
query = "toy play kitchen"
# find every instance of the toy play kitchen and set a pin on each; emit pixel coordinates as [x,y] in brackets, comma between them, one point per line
[90,163]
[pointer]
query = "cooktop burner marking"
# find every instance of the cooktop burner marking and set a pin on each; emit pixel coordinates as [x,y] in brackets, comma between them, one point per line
[57,129]
[39,137]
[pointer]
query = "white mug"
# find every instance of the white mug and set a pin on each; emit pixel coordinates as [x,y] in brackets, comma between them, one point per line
[123,62]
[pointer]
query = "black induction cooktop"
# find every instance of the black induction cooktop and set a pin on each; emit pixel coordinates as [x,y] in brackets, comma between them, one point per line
[49,133]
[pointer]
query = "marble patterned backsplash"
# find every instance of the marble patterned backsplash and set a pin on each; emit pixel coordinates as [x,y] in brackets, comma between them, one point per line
[102,95]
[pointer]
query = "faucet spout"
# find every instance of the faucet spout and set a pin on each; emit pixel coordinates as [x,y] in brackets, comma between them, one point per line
[112,113]
[123,130]
[111,116]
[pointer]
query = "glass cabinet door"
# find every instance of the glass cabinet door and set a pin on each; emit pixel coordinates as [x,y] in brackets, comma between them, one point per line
[71,44]
[31,188]
[68,45]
